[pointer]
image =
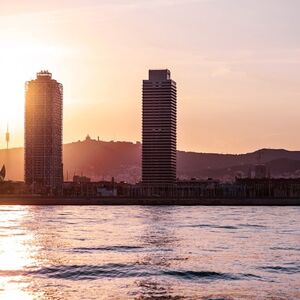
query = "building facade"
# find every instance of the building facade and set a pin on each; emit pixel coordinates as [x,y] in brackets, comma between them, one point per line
[159,129]
[43,133]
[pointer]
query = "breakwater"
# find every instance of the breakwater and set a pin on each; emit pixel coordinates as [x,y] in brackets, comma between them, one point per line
[39,200]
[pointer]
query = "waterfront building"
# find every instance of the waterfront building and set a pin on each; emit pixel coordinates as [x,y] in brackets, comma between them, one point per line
[159,129]
[43,133]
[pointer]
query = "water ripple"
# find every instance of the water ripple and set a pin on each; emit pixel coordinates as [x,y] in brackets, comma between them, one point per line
[107,248]
[94,272]
[213,226]
[280,269]
[149,252]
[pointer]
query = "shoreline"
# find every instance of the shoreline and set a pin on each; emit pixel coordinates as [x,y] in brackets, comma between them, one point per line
[40,200]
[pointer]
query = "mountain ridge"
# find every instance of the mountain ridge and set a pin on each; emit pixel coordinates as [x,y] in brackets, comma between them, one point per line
[122,160]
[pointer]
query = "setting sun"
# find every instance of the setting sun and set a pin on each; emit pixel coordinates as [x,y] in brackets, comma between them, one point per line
[19,57]
[149,149]
[228,74]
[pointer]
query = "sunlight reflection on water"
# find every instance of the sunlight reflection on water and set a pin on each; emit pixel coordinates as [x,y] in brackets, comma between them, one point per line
[149,252]
[14,254]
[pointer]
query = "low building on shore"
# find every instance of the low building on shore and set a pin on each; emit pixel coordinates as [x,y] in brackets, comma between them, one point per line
[242,188]
[13,188]
[84,187]
[192,188]
[268,187]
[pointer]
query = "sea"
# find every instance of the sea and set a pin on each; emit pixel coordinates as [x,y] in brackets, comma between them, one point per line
[149,252]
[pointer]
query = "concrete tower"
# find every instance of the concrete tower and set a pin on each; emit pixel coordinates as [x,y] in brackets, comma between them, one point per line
[159,129]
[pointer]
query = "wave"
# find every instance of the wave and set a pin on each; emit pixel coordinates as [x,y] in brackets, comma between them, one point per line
[252,225]
[286,248]
[201,274]
[94,272]
[108,248]
[281,269]
[213,226]
[227,226]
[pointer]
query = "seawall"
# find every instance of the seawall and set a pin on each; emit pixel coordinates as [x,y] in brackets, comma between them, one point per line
[38,200]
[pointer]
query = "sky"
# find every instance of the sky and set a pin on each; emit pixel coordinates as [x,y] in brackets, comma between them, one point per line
[236,64]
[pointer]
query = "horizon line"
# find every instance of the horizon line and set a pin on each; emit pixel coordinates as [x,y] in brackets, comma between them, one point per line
[178,150]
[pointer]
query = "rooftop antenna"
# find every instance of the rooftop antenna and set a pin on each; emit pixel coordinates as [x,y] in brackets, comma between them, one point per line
[7,137]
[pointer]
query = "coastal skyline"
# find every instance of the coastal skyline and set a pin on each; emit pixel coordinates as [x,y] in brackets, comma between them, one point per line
[149,149]
[237,65]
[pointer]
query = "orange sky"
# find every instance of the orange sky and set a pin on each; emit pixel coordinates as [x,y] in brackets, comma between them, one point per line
[236,64]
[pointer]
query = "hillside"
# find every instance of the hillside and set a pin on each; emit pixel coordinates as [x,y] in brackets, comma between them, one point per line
[102,160]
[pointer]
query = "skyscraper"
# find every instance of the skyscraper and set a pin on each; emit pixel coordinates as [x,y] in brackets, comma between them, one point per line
[159,129]
[43,133]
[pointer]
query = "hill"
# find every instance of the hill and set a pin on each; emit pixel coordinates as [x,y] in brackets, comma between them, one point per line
[102,160]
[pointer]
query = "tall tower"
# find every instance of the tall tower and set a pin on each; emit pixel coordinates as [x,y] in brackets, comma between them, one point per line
[159,129]
[43,133]
[7,137]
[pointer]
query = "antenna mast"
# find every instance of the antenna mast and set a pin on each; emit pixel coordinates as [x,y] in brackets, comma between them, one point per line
[7,137]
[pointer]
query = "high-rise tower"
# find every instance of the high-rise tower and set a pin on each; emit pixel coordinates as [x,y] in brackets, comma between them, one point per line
[7,137]
[43,133]
[159,129]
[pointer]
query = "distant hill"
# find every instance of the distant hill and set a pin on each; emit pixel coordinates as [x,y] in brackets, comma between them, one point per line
[282,167]
[102,160]
[226,166]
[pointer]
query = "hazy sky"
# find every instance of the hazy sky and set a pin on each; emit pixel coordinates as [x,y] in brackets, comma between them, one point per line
[236,63]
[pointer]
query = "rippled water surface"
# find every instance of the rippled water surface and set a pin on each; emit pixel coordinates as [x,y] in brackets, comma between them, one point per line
[135,252]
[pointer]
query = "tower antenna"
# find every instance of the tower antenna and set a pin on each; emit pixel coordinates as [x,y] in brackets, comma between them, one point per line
[7,137]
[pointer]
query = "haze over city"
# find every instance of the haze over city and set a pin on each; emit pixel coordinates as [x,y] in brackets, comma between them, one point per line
[236,64]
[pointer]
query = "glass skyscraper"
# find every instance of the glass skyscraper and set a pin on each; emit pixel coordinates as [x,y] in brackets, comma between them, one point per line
[43,133]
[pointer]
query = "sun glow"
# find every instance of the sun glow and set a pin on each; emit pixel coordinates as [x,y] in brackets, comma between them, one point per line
[100,52]
[20,59]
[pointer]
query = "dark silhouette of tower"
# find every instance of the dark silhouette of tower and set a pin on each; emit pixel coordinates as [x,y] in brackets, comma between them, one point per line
[43,133]
[159,129]
[7,137]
